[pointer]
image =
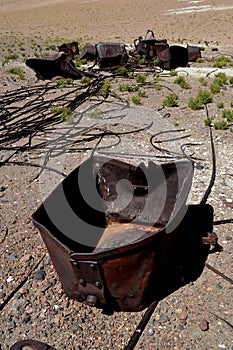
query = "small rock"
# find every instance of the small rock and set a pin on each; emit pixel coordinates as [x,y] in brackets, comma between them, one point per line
[183,315]
[164,318]
[10,279]
[26,317]
[2,294]
[47,261]
[11,325]
[39,275]
[221,346]
[26,258]
[150,331]
[218,286]
[11,257]
[204,325]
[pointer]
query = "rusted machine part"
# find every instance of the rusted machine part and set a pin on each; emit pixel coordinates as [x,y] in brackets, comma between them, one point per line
[104,275]
[111,55]
[59,65]
[29,344]
[194,53]
[89,52]
[149,48]
[173,57]
[71,49]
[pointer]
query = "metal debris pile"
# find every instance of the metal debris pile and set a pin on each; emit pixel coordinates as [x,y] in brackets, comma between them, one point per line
[109,56]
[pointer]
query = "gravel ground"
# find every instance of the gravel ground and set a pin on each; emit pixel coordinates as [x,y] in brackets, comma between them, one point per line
[40,309]
[199,315]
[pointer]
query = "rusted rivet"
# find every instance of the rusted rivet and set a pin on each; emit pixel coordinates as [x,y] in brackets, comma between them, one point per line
[91,300]
[82,282]
[130,295]
[74,263]
[98,284]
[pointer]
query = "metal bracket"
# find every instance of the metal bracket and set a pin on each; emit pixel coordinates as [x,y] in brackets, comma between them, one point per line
[90,282]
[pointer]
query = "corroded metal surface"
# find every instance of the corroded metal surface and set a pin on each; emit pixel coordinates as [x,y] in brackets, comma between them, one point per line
[31,345]
[129,260]
[173,57]
[111,55]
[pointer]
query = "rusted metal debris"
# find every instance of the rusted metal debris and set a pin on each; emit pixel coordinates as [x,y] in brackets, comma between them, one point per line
[109,55]
[58,65]
[31,345]
[124,238]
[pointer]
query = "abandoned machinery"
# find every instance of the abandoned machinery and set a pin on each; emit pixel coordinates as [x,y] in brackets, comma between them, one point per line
[110,55]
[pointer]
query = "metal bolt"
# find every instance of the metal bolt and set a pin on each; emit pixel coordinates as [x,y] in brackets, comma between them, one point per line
[98,284]
[74,263]
[131,295]
[92,266]
[82,282]
[91,300]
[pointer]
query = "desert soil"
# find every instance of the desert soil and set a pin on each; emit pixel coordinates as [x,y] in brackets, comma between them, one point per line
[35,305]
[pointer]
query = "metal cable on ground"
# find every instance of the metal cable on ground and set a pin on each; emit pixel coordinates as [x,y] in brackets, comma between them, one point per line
[208,191]
[222,222]
[228,279]
[141,326]
[213,175]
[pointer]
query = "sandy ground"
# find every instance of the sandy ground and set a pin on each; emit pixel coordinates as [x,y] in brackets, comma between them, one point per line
[191,21]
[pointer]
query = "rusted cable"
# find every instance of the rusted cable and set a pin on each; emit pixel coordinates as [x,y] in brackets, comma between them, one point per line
[219,273]
[222,222]
[17,288]
[222,319]
[213,175]
[142,325]
[36,166]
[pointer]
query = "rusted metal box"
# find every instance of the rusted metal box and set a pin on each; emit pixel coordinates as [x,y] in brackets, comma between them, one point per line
[111,55]
[194,52]
[110,228]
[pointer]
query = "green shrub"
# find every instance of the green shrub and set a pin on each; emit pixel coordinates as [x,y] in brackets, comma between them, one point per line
[64,82]
[221,125]
[208,121]
[203,97]
[181,81]
[85,80]
[228,115]
[12,56]
[158,87]
[215,88]
[173,73]
[122,71]
[140,78]
[194,104]
[171,101]
[199,60]
[142,93]
[96,114]
[128,87]
[203,81]
[136,100]
[221,78]
[221,61]
[17,71]
[105,88]
[64,112]
[220,104]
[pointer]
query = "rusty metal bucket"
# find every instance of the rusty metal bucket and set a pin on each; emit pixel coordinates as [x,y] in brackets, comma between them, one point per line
[111,55]
[112,249]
